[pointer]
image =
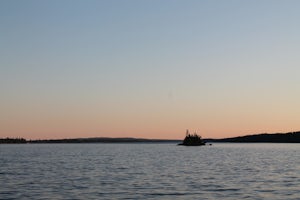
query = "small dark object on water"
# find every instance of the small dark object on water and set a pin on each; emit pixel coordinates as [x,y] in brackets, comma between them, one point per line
[192,140]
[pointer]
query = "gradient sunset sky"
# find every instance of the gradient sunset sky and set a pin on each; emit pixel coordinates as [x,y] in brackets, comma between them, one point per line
[148,69]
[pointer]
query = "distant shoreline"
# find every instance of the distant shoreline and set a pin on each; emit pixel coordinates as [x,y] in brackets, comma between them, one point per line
[85,140]
[291,137]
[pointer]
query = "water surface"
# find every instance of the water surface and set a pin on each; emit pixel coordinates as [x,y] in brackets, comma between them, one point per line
[149,171]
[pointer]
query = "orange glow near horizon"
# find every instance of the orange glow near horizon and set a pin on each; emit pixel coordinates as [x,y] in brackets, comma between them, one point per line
[160,120]
[139,125]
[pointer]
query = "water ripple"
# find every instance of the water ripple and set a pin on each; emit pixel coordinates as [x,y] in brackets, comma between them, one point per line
[149,171]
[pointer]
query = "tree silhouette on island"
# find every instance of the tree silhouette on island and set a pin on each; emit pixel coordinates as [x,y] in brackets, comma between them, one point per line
[192,140]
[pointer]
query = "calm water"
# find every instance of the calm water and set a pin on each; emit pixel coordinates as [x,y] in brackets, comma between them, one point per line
[149,171]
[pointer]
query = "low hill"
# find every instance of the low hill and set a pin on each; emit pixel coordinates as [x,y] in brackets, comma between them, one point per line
[292,137]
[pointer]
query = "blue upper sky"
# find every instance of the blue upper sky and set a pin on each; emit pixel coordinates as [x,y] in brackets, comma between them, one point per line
[148,68]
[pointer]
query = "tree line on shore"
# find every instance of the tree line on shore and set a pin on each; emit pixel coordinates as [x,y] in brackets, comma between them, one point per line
[292,137]
[12,140]
[85,140]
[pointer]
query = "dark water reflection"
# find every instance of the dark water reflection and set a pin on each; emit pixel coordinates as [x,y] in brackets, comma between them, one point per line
[149,171]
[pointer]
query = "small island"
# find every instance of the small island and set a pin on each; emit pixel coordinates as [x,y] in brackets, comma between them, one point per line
[192,140]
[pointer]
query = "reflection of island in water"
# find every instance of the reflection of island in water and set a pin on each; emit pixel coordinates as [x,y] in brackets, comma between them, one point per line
[192,140]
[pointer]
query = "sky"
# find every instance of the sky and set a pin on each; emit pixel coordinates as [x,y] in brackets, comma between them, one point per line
[148,69]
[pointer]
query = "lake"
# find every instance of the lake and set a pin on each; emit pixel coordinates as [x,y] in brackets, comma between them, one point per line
[149,171]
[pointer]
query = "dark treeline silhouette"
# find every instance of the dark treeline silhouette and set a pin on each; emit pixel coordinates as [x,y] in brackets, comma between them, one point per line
[103,140]
[86,140]
[12,140]
[292,137]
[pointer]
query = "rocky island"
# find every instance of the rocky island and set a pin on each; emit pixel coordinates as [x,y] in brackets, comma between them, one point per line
[192,140]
